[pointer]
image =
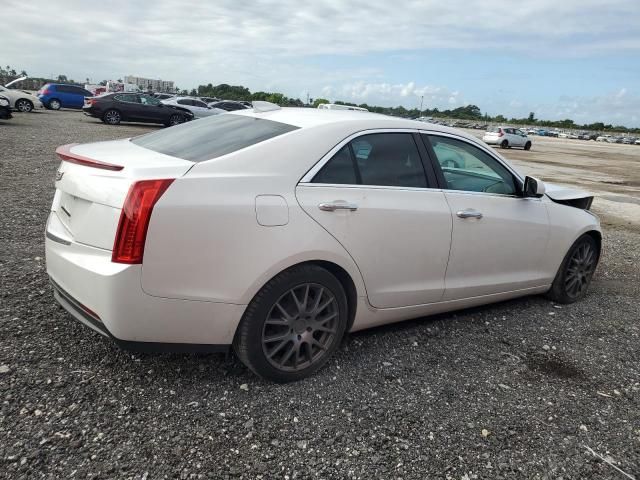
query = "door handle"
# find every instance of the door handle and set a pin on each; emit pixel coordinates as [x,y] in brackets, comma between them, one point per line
[469,213]
[337,205]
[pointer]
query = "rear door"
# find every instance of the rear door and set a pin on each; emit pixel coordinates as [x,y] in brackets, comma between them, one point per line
[375,195]
[499,237]
[129,106]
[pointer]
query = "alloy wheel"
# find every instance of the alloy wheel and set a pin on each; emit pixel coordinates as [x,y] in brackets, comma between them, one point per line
[175,120]
[580,269]
[300,327]
[24,106]
[55,105]
[112,117]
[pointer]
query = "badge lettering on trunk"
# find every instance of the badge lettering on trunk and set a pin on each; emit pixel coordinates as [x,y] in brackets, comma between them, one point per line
[59,175]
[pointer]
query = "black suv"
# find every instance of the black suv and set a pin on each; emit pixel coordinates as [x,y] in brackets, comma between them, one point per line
[112,108]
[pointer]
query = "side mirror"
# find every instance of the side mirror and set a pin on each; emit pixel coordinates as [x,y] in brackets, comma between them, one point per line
[533,187]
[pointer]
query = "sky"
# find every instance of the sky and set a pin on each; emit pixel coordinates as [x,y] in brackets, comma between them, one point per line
[577,59]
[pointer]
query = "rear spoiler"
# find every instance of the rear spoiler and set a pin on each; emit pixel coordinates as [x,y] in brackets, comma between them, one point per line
[64,152]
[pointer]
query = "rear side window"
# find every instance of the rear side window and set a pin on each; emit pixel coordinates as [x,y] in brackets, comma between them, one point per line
[385,159]
[212,137]
[339,170]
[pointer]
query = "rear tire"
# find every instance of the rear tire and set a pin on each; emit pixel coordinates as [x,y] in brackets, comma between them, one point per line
[527,146]
[55,104]
[504,144]
[24,105]
[111,117]
[293,325]
[576,271]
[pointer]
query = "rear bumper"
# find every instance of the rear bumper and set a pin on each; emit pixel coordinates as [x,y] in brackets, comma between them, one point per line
[108,298]
[492,140]
[79,312]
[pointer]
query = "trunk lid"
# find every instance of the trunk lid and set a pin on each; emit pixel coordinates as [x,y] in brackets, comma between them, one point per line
[92,183]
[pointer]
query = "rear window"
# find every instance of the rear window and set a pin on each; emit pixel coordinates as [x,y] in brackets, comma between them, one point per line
[494,129]
[212,137]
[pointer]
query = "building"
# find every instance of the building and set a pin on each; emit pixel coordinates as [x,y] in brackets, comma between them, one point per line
[150,84]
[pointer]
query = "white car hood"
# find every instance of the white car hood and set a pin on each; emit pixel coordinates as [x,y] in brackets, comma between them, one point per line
[559,192]
[15,81]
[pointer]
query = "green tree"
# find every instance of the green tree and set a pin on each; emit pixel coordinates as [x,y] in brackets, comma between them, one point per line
[318,101]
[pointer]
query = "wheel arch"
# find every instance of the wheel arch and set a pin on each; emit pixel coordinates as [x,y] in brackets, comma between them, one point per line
[350,285]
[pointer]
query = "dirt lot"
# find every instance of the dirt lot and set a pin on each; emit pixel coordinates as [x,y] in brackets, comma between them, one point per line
[521,389]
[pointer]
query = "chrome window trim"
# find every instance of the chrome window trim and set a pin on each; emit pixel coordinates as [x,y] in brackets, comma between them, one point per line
[367,187]
[307,179]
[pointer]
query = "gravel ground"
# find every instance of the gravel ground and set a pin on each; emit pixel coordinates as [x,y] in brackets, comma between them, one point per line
[521,389]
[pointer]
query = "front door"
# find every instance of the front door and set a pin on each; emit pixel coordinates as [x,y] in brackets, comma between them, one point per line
[373,196]
[499,237]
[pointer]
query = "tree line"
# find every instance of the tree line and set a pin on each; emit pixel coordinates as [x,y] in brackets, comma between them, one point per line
[471,113]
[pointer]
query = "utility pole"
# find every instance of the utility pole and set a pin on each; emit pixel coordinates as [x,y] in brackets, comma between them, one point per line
[421,100]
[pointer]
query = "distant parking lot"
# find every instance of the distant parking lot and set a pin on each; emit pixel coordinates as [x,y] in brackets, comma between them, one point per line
[521,389]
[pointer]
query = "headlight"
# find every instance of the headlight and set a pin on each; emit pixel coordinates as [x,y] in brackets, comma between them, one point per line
[4,103]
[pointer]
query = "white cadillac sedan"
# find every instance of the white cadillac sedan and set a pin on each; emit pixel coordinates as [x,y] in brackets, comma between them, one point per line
[275,231]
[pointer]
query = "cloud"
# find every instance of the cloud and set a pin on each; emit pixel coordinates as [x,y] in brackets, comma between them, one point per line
[386,94]
[280,45]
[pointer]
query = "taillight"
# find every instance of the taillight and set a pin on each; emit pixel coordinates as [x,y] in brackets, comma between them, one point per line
[134,219]
[64,152]
[45,92]
[500,133]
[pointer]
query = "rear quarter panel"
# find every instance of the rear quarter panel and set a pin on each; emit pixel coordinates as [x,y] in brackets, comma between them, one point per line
[204,241]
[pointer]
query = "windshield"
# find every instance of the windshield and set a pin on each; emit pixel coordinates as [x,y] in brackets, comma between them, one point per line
[212,137]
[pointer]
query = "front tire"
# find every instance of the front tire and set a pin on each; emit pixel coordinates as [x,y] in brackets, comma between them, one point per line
[175,119]
[527,146]
[55,104]
[24,105]
[504,144]
[111,117]
[576,271]
[293,325]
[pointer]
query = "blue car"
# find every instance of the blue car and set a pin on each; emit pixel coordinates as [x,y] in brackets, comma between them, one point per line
[59,95]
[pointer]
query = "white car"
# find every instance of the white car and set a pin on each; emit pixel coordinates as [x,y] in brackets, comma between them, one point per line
[507,137]
[21,100]
[277,230]
[195,106]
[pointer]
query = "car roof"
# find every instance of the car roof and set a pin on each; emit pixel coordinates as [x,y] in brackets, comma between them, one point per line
[355,120]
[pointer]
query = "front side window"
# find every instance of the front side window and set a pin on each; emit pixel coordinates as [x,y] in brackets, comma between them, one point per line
[385,159]
[149,100]
[466,167]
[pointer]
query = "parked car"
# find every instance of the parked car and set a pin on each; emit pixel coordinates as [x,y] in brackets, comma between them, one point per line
[59,95]
[114,108]
[628,140]
[208,100]
[637,142]
[229,105]
[195,106]
[19,99]
[276,231]
[507,137]
[5,108]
